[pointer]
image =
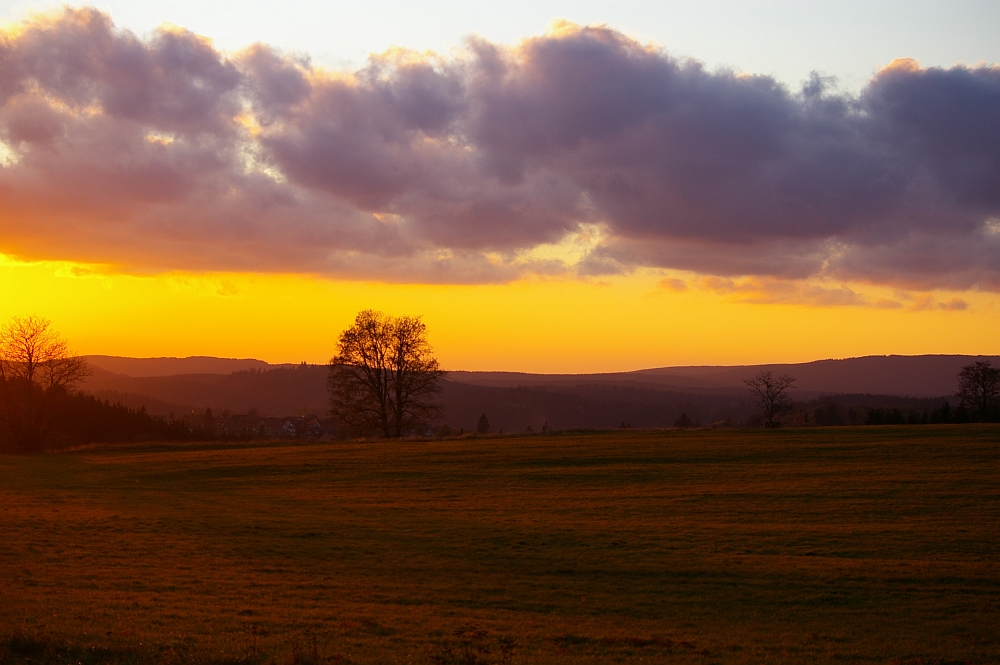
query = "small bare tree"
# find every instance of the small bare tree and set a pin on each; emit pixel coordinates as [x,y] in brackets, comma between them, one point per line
[384,378]
[36,369]
[772,394]
[979,389]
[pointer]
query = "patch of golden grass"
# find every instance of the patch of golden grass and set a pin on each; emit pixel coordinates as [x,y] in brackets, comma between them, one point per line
[822,545]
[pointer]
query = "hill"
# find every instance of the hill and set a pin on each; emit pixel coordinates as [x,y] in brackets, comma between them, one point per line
[148,367]
[277,390]
[916,376]
[514,401]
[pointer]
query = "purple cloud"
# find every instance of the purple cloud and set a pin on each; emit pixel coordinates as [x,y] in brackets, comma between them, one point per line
[164,153]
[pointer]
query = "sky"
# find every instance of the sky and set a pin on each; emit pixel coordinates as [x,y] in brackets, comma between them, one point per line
[552,186]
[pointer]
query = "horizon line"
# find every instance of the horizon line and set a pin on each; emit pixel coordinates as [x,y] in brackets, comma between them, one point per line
[625,371]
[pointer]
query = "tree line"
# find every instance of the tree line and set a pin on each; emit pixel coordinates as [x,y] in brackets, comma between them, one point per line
[39,408]
[978,395]
[384,381]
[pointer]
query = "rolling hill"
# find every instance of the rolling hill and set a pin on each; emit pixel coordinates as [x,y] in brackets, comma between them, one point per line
[514,401]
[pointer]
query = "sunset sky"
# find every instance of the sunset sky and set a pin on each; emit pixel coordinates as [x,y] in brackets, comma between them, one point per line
[553,186]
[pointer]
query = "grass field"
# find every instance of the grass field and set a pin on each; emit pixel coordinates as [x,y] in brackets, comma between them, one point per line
[869,545]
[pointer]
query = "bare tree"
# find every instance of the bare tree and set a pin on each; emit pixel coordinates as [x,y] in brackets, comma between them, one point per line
[384,378]
[979,389]
[36,369]
[772,394]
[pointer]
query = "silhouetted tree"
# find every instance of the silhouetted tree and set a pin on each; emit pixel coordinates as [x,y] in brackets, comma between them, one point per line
[384,379]
[827,415]
[772,394]
[683,422]
[943,414]
[208,424]
[979,390]
[887,416]
[36,372]
[483,426]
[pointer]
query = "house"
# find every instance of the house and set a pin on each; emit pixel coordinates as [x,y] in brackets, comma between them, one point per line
[241,427]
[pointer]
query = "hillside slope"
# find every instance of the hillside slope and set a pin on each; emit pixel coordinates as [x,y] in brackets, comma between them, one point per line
[514,401]
[917,376]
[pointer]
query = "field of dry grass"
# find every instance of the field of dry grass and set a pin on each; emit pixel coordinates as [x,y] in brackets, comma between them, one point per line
[870,545]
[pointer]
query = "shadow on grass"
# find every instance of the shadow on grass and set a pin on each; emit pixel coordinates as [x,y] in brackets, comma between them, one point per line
[471,645]
[27,649]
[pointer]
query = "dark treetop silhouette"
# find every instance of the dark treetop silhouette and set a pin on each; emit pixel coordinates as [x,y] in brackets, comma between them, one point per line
[36,371]
[772,394]
[384,379]
[979,390]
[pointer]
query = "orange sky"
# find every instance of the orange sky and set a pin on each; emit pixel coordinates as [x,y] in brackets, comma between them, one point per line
[536,325]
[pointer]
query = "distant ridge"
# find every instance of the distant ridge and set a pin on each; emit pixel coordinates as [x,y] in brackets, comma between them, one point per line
[149,367]
[516,400]
[916,376]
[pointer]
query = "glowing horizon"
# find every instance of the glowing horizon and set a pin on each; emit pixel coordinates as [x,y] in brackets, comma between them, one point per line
[534,325]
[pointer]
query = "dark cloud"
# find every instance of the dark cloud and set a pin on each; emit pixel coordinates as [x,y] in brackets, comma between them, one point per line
[923,260]
[277,84]
[176,80]
[163,152]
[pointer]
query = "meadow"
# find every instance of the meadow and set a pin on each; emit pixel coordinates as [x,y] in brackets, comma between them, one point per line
[826,545]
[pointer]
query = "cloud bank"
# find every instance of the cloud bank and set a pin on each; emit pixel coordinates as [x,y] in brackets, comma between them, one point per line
[163,153]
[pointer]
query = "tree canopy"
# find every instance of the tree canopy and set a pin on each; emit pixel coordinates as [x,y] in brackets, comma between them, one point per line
[36,372]
[384,378]
[772,394]
[979,390]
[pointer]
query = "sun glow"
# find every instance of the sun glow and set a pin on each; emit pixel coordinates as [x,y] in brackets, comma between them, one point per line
[647,319]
